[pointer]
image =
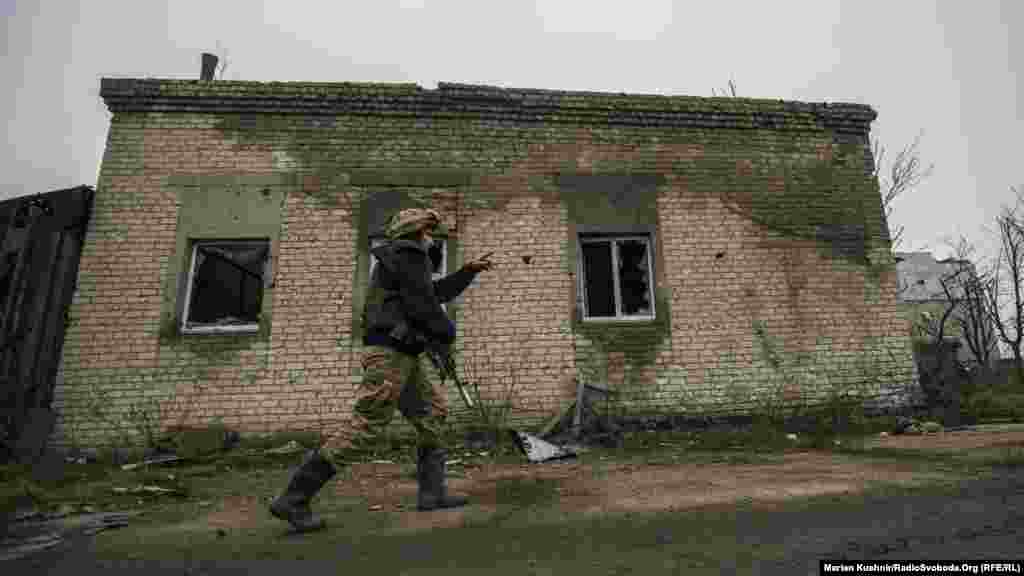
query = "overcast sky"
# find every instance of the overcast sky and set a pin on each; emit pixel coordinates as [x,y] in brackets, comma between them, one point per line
[950,70]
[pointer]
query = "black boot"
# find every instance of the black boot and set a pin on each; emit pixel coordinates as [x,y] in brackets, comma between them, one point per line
[430,473]
[292,505]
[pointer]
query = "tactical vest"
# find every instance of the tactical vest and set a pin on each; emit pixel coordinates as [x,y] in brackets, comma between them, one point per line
[383,310]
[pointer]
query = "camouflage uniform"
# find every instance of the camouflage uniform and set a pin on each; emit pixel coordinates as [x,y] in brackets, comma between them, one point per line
[390,379]
[403,316]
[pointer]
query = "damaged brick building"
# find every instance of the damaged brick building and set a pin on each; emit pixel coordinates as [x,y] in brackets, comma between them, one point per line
[698,255]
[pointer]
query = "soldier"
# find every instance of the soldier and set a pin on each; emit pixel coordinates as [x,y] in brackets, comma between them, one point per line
[403,316]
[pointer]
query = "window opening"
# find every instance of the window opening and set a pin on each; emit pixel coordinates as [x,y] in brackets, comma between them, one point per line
[617,277]
[225,286]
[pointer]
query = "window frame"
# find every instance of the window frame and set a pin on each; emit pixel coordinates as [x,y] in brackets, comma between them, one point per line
[614,240]
[250,328]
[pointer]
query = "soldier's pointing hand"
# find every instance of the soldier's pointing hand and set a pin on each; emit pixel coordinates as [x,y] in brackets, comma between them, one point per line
[482,263]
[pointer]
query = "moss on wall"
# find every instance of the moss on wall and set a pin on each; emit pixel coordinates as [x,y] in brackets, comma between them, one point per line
[807,185]
[218,207]
[212,347]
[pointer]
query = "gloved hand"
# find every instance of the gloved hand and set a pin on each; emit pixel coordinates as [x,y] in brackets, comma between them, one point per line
[451,330]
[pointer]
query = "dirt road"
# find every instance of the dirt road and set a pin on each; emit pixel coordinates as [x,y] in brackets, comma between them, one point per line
[665,512]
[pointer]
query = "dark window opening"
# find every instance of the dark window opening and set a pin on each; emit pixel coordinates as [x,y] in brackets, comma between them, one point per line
[616,277]
[597,268]
[634,278]
[226,283]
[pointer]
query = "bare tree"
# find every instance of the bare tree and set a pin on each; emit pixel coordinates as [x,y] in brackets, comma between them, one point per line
[1006,294]
[966,305]
[904,173]
[933,330]
[972,315]
[938,369]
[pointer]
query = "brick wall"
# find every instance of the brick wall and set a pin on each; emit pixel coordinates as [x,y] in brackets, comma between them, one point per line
[770,254]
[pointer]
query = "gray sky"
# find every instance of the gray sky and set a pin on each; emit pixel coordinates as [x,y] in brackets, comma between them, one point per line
[950,69]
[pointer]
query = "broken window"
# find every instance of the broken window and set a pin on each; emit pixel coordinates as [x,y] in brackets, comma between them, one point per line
[616,276]
[438,257]
[225,286]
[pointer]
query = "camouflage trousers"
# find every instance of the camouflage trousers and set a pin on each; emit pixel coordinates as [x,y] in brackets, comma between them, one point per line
[390,380]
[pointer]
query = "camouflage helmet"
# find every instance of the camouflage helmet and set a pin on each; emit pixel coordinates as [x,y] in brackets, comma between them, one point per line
[412,220]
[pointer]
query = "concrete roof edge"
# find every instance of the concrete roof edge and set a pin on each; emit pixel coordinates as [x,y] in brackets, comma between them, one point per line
[164,94]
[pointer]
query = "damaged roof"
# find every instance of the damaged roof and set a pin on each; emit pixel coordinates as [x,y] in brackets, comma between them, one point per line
[919,276]
[484,102]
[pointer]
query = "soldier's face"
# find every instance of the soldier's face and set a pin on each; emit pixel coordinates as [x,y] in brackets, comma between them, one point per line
[428,238]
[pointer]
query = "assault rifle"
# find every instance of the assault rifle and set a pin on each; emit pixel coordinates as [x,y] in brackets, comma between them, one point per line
[440,357]
[445,365]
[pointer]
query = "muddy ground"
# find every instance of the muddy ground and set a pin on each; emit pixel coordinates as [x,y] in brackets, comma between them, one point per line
[667,510]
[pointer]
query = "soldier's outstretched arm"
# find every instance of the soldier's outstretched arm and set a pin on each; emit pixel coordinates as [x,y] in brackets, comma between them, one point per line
[449,287]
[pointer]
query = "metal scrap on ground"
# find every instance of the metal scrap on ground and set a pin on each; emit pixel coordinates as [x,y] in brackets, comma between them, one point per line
[537,450]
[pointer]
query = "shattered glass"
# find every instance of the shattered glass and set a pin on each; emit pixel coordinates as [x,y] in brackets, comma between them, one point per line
[634,278]
[227,286]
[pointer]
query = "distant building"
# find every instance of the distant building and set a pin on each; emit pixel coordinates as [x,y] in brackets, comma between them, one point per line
[922,299]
